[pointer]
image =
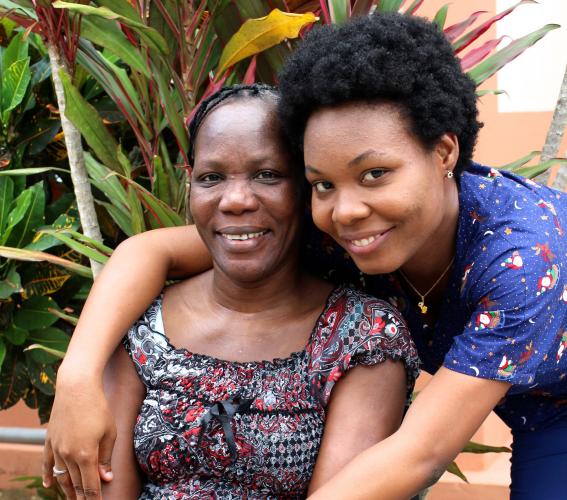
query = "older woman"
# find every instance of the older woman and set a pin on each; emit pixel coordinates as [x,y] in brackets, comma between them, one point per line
[226,396]
[387,124]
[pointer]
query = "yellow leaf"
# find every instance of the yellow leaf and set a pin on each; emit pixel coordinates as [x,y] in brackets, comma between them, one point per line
[257,35]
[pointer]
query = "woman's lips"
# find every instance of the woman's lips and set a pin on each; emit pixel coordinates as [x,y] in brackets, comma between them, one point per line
[361,245]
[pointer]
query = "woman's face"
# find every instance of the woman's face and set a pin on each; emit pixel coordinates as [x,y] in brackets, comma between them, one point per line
[244,196]
[376,189]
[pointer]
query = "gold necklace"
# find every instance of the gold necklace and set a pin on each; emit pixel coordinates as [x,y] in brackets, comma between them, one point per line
[421,303]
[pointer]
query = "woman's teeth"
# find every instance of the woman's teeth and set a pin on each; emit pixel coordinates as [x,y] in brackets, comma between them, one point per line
[244,236]
[364,242]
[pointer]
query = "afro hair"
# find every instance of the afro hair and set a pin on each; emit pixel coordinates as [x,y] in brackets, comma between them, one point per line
[396,58]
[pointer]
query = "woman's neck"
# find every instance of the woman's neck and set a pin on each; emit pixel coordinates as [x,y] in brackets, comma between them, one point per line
[277,291]
[436,255]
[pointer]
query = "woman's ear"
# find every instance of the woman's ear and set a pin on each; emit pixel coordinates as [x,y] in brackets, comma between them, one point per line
[447,151]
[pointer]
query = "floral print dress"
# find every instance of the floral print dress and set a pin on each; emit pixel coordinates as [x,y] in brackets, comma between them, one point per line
[215,429]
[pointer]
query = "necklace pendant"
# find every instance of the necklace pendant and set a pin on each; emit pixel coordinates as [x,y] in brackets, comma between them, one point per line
[422,307]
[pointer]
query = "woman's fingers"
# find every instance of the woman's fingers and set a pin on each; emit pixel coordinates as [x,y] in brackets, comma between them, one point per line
[90,480]
[63,477]
[105,454]
[48,463]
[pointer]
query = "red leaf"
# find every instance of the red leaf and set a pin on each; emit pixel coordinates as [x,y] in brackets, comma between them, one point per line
[325,11]
[471,36]
[250,75]
[458,29]
[476,55]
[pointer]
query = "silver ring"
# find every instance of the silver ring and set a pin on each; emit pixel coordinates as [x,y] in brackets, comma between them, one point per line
[59,472]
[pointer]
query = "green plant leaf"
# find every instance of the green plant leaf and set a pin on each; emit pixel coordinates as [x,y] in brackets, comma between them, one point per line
[18,210]
[11,284]
[83,249]
[69,318]
[33,313]
[454,469]
[389,5]
[163,215]
[31,171]
[107,34]
[499,59]
[34,256]
[173,113]
[85,117]
[257,35]
[103,178]
[136,212]
[23,232]
[483,92]
[15,335]
[441,17]
[535,170]
[14,382]
[122,219]
[149,35]
[15,83]
[520,162]
[472,447]
[54,352]
[6,198]
[339,10]
[42,376]
[48,338]
[2,352]
[16,51]
[122,7]
[161,187]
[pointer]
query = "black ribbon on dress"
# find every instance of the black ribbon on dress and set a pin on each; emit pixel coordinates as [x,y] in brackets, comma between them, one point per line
[223,412]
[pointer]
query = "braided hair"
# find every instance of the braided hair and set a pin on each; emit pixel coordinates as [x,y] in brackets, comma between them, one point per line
[234,92]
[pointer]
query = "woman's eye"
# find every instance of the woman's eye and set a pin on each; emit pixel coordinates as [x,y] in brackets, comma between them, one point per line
[322,186]
[267,175]
[373,174]
[210,178]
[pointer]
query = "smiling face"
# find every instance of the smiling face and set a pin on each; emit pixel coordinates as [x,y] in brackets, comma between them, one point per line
[244,191]
[377,190]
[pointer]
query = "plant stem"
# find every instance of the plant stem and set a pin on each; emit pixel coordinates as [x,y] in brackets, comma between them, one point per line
[79,175]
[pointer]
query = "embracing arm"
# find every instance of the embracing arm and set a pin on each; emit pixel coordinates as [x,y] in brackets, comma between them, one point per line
[125,393]
[81,426]
[366,406]
[438,424]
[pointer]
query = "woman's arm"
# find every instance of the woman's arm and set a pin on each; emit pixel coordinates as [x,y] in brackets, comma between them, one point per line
[366,406]
[81,426]
[438,424]
[125,393]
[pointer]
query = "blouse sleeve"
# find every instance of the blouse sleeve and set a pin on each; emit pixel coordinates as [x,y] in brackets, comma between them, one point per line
[359,330]
[515,290]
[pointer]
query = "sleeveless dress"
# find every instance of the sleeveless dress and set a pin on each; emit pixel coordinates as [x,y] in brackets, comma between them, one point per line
[216,429]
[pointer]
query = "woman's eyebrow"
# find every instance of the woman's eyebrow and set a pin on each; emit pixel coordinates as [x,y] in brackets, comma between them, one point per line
[362,156]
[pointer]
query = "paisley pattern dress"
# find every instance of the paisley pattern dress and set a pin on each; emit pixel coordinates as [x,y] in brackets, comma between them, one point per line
[215,429]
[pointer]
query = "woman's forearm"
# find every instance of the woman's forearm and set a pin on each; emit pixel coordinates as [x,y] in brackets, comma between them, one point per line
[439,423]
[130,280]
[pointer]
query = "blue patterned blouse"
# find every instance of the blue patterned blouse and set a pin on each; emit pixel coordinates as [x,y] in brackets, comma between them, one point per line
[504,315]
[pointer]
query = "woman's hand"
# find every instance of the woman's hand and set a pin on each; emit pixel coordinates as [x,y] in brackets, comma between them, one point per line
[80,437]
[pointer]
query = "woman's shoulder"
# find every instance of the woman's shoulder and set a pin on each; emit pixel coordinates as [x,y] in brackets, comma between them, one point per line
[356,302]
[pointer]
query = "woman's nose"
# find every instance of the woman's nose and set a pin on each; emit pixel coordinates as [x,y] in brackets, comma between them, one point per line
[349,208]
[238,197]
